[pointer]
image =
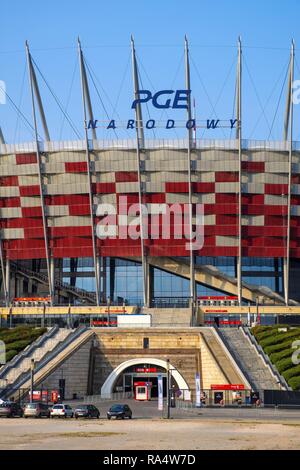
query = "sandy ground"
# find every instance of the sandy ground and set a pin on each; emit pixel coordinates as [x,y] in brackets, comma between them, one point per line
[205,429]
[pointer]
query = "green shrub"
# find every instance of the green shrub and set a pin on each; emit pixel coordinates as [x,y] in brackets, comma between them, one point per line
[277,339]
[279,347]
[284,364]
[293,372]
[11,354]
[294,383]
[277,356]
[18,345]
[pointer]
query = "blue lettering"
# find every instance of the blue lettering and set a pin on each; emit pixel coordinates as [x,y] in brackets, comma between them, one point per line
[92,124]
[150,124]
[181,96]
[212,124]
[233,123]
[191,124]
[130,124]
[166,105]
[142,100]
[170,124]
[112,124]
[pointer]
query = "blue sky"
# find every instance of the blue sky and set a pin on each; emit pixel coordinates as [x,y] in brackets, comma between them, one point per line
[51,27]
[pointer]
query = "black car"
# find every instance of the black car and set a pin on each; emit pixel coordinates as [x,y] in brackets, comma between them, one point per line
[87,411]
[10,410]
[119,411]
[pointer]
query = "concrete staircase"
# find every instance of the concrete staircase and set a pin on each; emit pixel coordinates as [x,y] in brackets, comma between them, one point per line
[223,357]
[166,317]
[39,353]
[252,363]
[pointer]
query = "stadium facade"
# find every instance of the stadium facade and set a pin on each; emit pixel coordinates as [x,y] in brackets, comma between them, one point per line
[249,192]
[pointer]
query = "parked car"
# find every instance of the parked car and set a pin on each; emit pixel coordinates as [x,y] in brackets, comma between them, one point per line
[36,410]
[10,410]
[119,411]
[86,411]
[61,411]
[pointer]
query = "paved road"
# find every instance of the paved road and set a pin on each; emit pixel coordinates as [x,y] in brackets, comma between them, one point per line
[193,429]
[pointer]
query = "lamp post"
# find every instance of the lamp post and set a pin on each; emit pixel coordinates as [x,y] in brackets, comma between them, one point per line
[108,310]
[168,388]
[32,364]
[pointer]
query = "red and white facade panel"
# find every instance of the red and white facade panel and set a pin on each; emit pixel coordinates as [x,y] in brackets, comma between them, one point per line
[215,184]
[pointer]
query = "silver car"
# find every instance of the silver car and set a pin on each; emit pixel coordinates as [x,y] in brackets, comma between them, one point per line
[61,411]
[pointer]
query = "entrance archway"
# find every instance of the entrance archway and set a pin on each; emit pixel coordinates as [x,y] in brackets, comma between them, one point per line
[108,386]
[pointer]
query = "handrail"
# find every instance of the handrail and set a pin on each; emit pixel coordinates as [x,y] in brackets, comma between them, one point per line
[58,284]
[266,358]
[44,361]
[235,357]
[28,350]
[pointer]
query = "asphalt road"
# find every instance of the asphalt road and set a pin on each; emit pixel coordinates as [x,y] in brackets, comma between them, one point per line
[148,430]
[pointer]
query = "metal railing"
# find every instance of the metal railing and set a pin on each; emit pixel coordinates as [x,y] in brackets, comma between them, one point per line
[83,294]
[39,342]
[12,388]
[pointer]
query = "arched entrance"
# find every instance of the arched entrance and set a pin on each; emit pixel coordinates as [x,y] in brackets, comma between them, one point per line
[108,386]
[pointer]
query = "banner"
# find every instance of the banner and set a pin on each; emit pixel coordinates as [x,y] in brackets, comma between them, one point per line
[198,390]
[160,392]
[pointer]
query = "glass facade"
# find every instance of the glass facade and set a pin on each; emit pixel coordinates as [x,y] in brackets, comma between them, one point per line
[123,279]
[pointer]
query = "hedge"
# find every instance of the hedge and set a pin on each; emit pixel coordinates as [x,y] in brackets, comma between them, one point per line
[279,347]
[284,364]
[277,339]
[294,383]
[17,339]
[293,372]
[277,356]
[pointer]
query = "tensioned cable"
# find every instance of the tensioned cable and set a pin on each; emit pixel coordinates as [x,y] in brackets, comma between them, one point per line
[68,118]
[268,100]
[18,111]
[205,91]
[256,92]
[98,94]
[234,104]
[297,66]
[164,111]
[20,102]
[279,100]
[147,107]
[121,85]
[68,98]
[222,89]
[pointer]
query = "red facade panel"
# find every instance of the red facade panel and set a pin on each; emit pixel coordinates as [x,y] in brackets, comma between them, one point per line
[76,167]
[26,158]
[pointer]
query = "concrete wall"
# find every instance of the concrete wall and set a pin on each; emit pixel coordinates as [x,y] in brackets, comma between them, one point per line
[75,371]
[87,369]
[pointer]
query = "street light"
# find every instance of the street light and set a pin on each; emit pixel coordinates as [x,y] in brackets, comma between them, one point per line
[168,388]
[32,364]
[108,310]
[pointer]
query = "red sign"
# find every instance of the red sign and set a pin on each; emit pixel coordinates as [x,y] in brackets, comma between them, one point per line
[54,396]
[148,370]
[228,387]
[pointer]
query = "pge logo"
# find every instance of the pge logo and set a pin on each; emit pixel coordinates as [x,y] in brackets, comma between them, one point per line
[2,92]
[160,100]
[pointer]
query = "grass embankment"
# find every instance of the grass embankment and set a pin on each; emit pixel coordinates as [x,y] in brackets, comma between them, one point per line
[17,339]
[278,345]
